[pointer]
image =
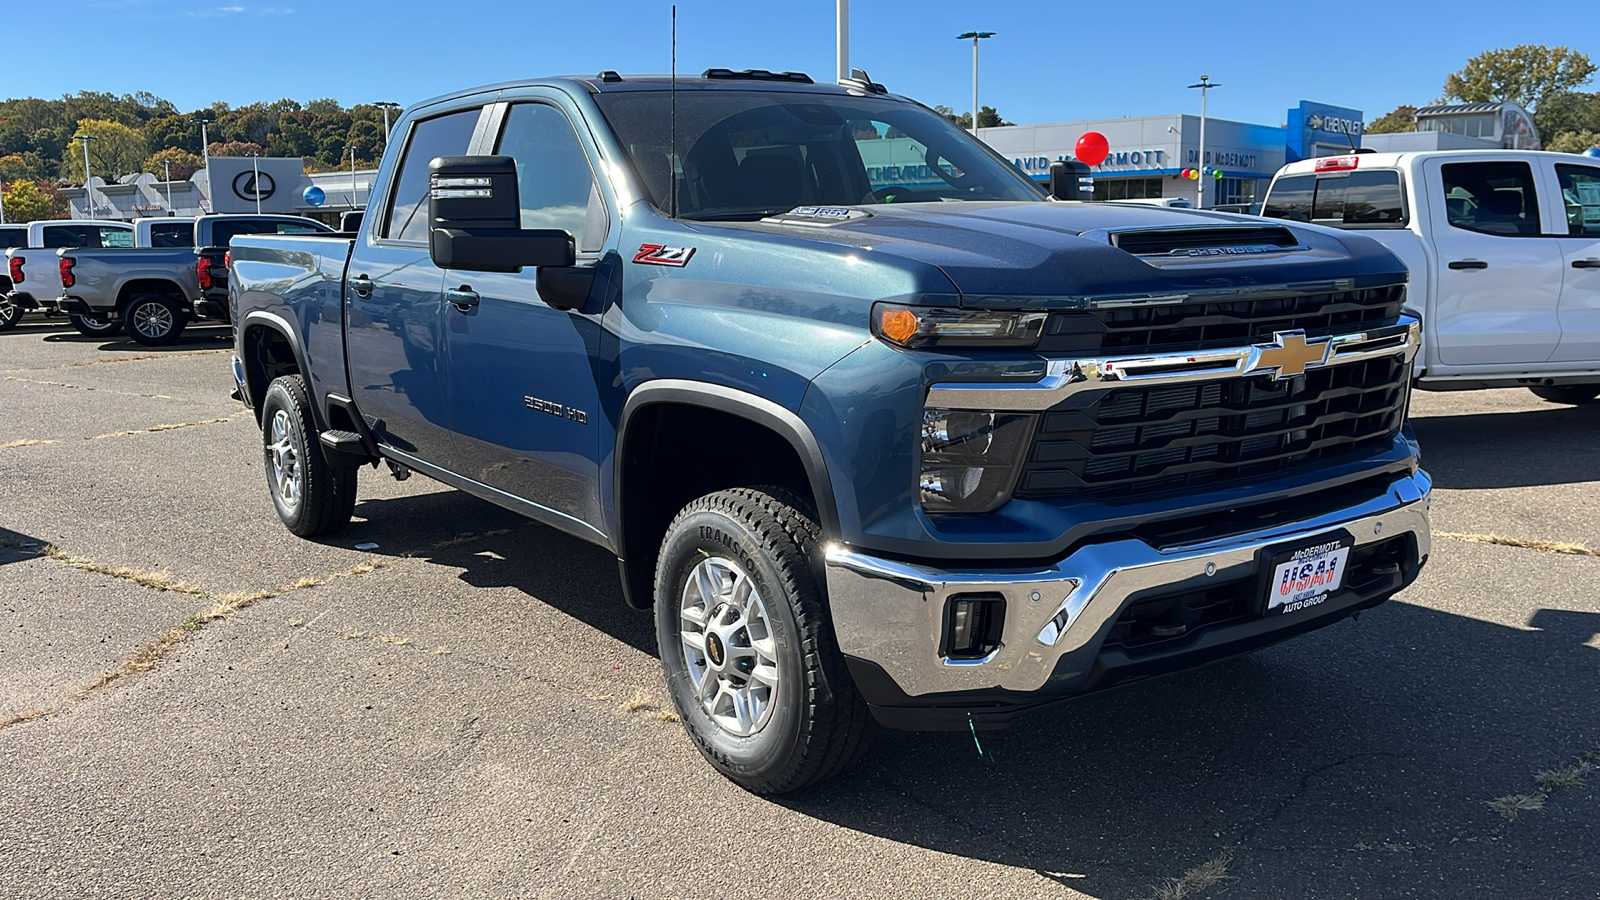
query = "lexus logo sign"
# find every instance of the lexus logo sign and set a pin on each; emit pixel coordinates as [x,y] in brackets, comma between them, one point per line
[253,186]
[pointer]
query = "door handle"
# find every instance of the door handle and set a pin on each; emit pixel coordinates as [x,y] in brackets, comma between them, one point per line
[463,298]
[1469,264]
[361,285]
[1590,263]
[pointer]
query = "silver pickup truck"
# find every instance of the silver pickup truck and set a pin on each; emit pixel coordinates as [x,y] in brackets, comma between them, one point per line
[155,292]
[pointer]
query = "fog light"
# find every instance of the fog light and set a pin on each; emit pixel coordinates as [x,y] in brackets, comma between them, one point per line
[970,458]
[973,624]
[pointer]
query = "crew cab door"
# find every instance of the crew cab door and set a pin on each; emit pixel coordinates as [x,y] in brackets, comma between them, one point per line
[1579,225]
[392,302]
[1499,273]
[527,414]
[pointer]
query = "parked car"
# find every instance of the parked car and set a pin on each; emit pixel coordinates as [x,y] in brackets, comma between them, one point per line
[155,292]
[33,274]
[1503,247]
[905,441]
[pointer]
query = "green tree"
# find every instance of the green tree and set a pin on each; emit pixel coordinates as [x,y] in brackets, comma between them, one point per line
[115,150]
[1401,118]
[1524,74]
[183,162]
[15,167]
[1570,111]
[26,203]
[237,148]
[1573,141]
[987,117]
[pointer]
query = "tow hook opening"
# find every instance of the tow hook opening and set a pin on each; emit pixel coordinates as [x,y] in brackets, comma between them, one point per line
[973,624]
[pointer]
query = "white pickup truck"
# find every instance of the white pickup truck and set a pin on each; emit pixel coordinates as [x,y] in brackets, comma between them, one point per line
[1503,249]
[33,273]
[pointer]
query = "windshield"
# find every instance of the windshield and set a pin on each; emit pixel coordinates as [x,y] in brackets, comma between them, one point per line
[744,155]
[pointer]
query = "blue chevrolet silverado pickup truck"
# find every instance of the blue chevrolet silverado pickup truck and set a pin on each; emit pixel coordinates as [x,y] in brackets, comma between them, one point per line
[881,430]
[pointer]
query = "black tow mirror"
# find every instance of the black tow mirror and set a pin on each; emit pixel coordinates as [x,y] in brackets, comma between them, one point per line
[475,219]
[1071,180]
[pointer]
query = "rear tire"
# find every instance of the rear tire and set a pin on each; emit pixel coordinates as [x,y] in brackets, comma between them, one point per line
[154,320]
[311,496]
[10,315]
[1573,394]
[96,328]
[746,645]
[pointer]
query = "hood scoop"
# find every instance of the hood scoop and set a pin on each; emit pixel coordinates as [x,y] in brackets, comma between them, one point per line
[1239,240]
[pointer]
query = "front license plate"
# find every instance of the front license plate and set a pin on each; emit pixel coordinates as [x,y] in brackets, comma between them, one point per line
[1303,577]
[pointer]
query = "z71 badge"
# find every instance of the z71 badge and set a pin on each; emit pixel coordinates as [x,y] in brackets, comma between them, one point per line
[657,255]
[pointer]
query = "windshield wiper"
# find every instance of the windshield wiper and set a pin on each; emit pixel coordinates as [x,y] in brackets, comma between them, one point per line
[753,215]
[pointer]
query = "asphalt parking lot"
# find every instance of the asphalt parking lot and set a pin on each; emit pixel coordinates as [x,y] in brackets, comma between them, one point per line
[195,703]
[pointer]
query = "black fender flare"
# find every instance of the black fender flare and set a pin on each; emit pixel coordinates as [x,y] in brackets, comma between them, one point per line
[759,410]
[278,324]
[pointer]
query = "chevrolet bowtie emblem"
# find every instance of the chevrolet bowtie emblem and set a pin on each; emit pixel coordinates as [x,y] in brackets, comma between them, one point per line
[1290,354]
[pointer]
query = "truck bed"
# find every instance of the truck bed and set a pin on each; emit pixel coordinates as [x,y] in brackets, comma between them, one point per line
[300,279]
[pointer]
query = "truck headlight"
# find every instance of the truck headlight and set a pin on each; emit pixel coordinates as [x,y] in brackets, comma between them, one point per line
[970,459]
[926,326]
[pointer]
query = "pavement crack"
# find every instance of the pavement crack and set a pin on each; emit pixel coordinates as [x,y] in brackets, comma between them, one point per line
[170,426]
[152,654]
[1300,791]
[25,442]
[101,361]
[82,387]
[1569,548]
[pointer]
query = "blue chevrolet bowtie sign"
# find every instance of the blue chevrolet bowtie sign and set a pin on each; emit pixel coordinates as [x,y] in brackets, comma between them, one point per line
[1310,124]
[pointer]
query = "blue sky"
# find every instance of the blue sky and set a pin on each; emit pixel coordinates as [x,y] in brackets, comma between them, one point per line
[1048,62]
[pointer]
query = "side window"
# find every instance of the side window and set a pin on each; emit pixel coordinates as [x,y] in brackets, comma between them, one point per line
[1491,197]
[1290,198]
[1580,194]
[555,185]
[447,135]
[73,236]
[116,237]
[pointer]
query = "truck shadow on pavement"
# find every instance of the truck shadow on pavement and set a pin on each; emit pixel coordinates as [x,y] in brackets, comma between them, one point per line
[16,546]
[1482,451]
[1353,762]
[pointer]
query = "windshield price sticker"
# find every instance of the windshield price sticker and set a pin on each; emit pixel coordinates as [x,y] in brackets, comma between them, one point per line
[1303,578]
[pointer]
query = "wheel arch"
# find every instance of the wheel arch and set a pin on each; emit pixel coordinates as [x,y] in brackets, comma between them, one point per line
[645,415]
[268,348]
[143,285]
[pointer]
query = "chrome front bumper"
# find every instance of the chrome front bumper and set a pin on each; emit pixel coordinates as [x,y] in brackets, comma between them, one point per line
[892,614]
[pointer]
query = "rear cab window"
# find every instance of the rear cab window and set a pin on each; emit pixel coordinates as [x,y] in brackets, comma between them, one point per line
[173,235]
[76,237]
[1372,198]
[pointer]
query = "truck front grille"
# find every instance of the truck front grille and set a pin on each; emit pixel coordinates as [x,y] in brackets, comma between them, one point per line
[1208,325]
[1127,442]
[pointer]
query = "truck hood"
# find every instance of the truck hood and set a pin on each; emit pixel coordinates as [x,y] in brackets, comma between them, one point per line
[1051,254]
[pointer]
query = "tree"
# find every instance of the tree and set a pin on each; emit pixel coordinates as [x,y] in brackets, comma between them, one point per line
[987,117]
[115,150]
[237,148]
[1573,141]
[1571,111]
[26,203]
[1402,118]
[183,162]
[15,167]
[1524,74]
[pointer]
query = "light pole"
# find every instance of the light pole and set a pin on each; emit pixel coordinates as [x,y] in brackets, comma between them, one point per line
[255,185]
[205,152]
[2,201]
[1205,86]
[386,105]
[352,148]
[976,36]
[842,32]
[88,190]
[167,165]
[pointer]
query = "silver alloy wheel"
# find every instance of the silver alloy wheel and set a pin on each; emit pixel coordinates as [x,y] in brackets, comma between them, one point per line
[152,319]
[728,647]
[286,472]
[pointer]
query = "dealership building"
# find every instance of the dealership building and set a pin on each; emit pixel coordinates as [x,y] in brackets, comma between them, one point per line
[278,185]
[1149,153]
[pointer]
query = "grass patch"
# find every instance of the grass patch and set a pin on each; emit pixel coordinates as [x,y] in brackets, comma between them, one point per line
[25,442]
[1569,548]
[1564,777]
[1512,805]
[1208,874]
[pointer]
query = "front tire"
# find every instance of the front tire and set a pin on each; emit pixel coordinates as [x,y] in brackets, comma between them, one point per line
[312,497]
[95,328]
[154,320]
[746,646]
[1573,394]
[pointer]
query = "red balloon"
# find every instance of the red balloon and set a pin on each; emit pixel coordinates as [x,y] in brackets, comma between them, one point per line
[1092,148]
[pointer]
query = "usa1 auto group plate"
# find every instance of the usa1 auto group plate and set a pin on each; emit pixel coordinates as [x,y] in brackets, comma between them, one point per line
[1302,577]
